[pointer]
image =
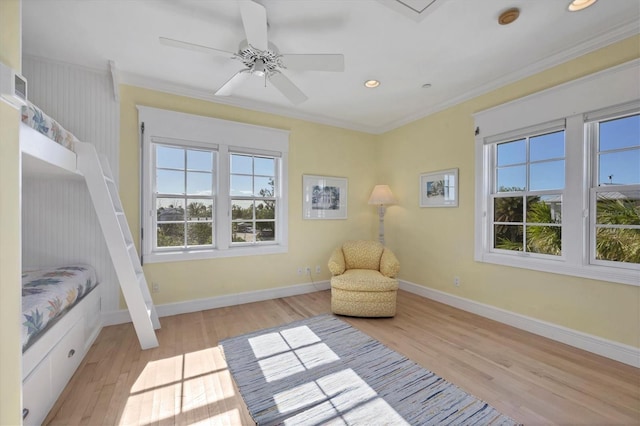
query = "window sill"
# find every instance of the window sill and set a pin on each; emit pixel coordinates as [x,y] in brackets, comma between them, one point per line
[594,272]
[178,256]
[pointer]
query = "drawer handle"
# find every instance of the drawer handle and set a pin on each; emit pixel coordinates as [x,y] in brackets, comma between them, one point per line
[25,413]
[72,352]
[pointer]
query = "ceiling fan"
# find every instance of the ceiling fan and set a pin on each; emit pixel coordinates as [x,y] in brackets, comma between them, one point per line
[262,58]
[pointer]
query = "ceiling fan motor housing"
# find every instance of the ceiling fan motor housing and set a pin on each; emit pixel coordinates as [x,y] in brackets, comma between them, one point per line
[250,55]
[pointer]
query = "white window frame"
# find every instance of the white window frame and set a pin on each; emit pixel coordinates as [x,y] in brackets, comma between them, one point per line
[592,121]
[254,198]
[617,87]
[187,130]
[527,134]
[184,145]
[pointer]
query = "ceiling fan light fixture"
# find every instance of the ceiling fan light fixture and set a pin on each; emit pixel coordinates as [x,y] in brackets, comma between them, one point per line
[371,84]
[578,5]
[258,68]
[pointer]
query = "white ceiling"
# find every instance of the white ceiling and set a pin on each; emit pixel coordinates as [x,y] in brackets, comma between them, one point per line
[457,46]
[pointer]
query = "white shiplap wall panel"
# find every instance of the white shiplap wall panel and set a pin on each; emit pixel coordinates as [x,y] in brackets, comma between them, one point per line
[59,222]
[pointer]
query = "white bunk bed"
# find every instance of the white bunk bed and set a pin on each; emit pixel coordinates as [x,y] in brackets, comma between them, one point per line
[50,361]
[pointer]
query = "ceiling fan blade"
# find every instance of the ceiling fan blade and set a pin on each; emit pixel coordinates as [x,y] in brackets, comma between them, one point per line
[314,62]
[233,83]
[254,19]
[192,46]
[287,88]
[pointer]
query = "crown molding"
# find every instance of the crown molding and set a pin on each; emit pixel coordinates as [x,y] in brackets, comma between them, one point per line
[598,41]
[97,70]
[141,81]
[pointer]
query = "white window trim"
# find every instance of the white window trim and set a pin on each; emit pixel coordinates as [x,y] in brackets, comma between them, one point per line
[151,194]
[222,135]
[570,101]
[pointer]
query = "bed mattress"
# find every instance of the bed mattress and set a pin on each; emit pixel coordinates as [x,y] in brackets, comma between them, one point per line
[33,116]
[47,294]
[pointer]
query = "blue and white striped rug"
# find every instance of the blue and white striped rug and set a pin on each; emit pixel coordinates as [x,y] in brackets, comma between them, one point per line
[323,371]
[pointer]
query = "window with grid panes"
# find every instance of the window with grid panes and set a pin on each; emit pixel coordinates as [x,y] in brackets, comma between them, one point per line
[253,198]
[184,197]
[527,194]
[211,188]
[615,194]
[558,179]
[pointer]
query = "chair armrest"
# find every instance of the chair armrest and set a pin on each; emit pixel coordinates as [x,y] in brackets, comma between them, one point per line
[336,262]
[389,264]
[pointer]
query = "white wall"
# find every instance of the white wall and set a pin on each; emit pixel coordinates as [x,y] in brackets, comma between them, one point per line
[59,224]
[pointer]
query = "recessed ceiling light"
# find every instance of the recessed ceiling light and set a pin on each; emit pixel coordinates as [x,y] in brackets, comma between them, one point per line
[577,5]
[508,16]
[371,84]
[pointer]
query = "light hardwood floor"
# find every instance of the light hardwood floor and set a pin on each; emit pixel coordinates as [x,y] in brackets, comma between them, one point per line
[185,381]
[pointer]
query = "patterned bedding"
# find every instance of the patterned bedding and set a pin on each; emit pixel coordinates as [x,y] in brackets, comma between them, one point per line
[33,116]
[47,294]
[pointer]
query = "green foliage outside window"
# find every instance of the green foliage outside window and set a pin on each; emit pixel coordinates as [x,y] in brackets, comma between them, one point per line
[619,244]
[254,220]
[199,225]
[545,239]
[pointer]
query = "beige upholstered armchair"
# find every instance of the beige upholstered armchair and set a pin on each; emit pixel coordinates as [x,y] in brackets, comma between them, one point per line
[364,280]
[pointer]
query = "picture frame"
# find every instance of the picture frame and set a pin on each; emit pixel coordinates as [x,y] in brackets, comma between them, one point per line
[324,197]
[439,189]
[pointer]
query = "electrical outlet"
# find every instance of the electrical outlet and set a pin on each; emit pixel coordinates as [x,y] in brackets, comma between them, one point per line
[318,270]
[456,281]
[307,269]
[155,288]
[300,270]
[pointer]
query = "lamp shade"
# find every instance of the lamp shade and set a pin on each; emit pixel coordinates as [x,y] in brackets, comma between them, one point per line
[382,195]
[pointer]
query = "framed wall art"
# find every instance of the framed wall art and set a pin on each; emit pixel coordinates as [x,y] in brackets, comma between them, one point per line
[324,197]
[439,189]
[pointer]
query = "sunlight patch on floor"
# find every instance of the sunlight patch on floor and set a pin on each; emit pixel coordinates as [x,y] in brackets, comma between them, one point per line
[272,343]
[184,387]
[343,395]
[158,373]
[201,362]
[289,352]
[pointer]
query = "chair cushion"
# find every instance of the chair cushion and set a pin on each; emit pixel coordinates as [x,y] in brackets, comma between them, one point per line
[364,280]
[362,254]
[363,303]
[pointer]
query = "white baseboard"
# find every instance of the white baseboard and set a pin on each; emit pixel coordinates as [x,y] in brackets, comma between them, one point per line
[122,316]
[617,351]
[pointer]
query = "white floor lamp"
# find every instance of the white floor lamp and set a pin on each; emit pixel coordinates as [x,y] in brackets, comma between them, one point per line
[381,196]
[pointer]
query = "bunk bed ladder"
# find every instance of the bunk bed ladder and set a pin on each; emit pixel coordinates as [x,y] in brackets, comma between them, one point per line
[106,200]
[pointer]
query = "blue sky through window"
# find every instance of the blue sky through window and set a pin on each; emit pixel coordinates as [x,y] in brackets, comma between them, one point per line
[172,171]
[546,163]
[618,157]
[618,166]
[251,174]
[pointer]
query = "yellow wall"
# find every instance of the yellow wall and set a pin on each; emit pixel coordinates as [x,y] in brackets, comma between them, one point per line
[313,149]
[435,245]
[10,261]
